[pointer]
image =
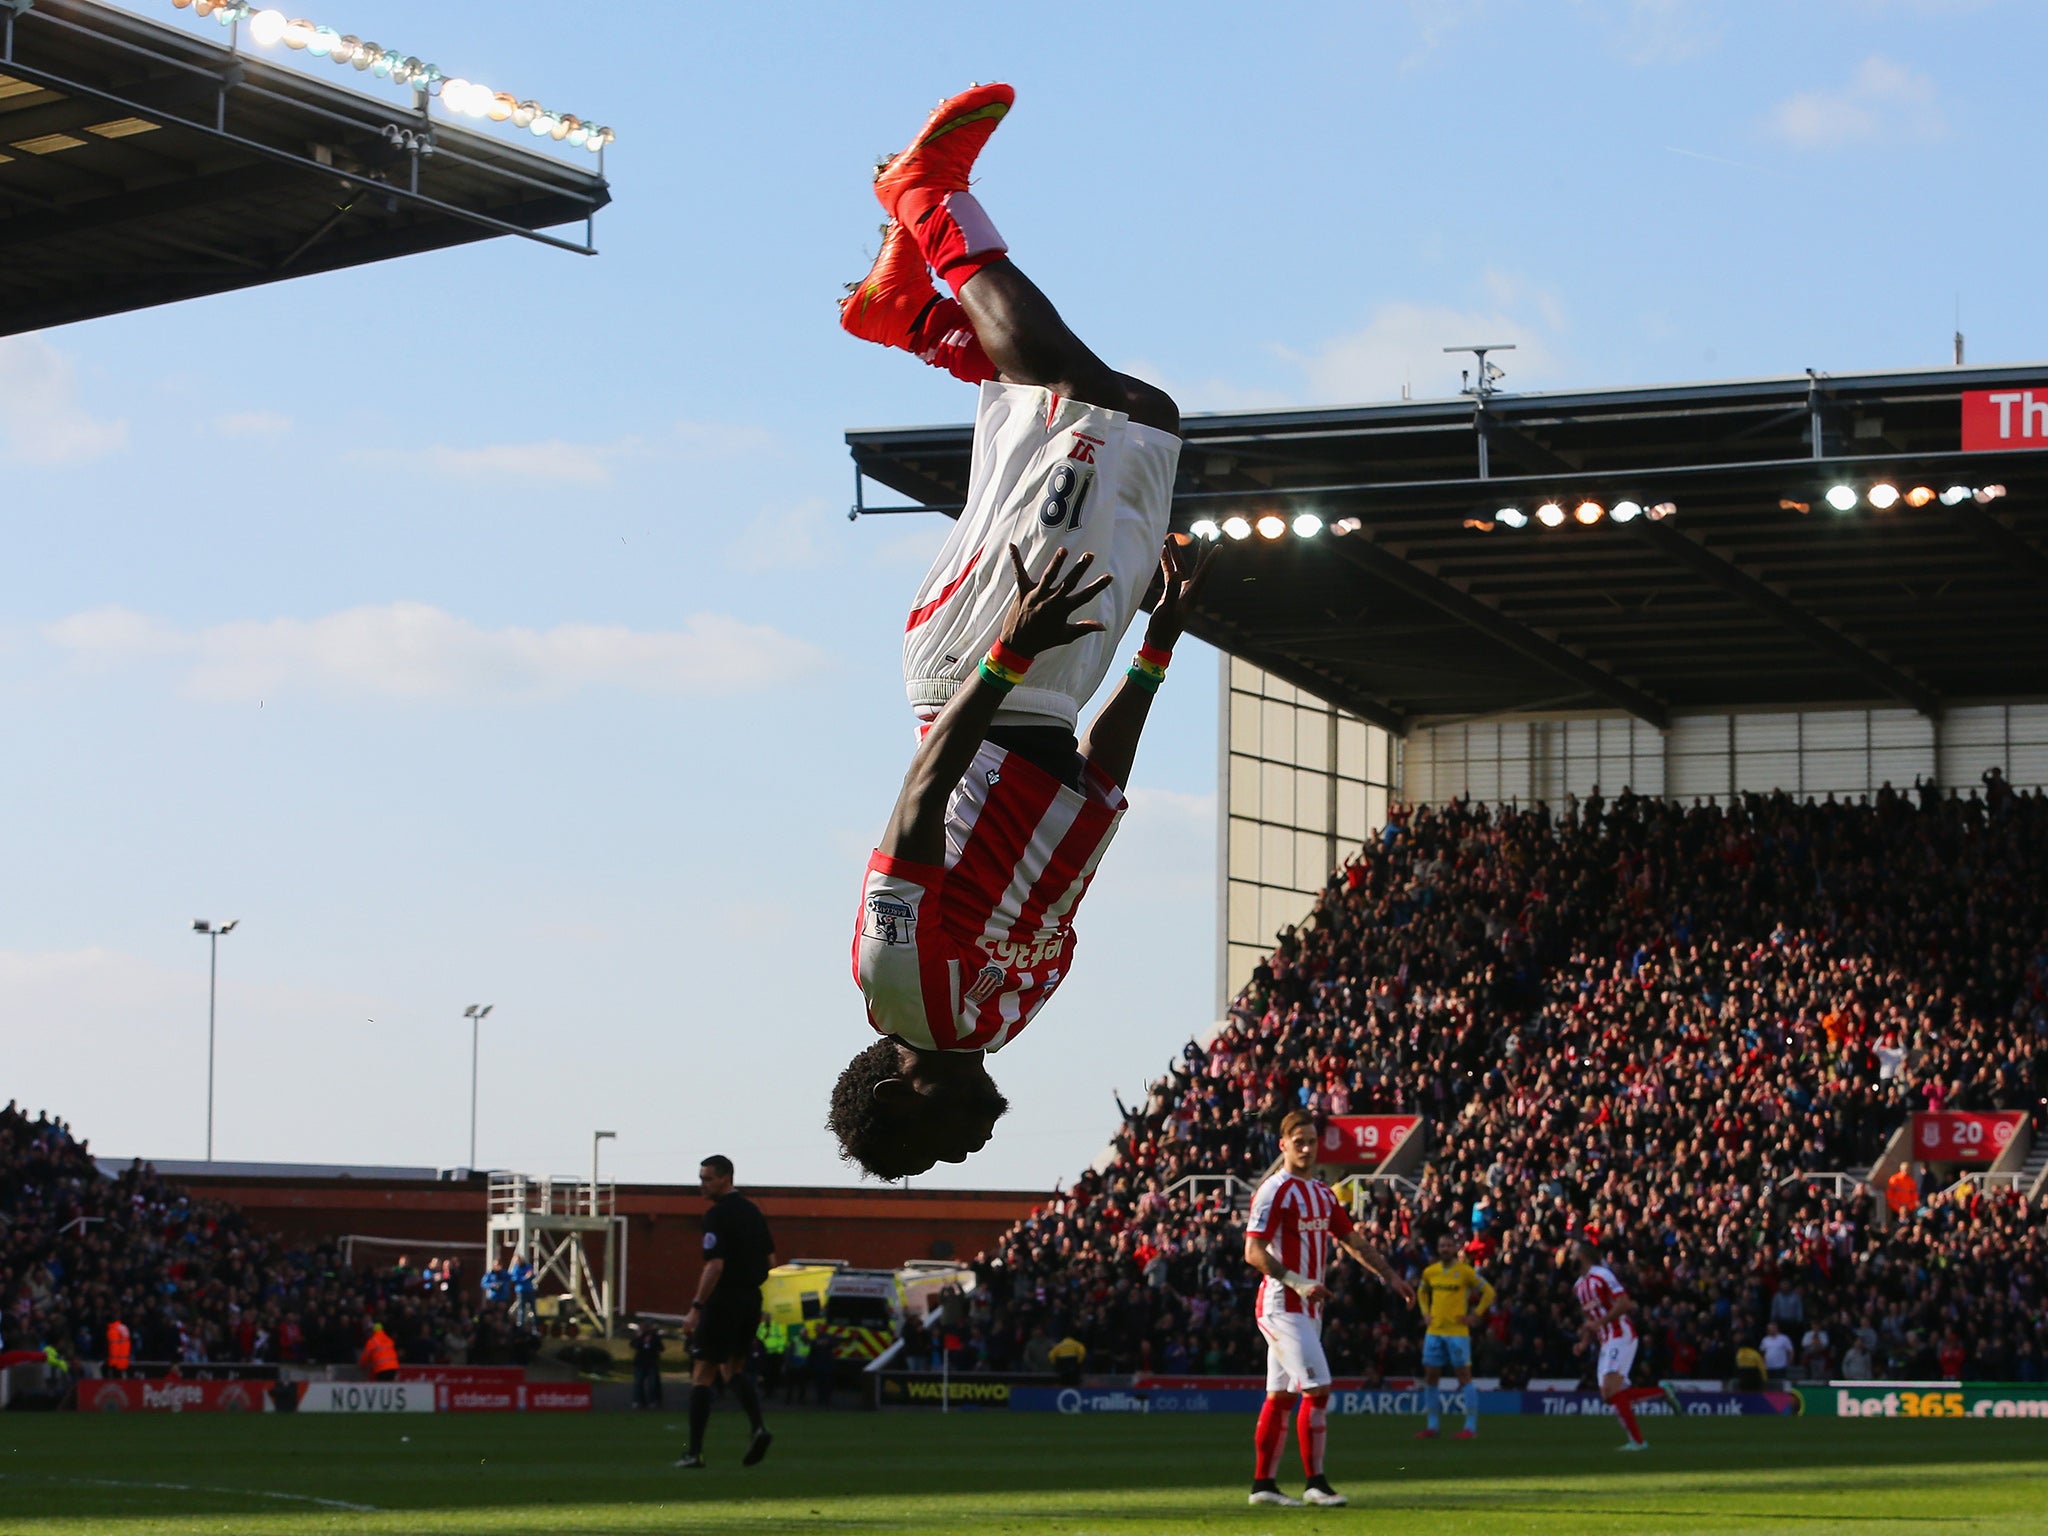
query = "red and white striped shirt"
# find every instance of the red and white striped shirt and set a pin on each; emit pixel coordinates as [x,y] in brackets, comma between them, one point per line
[1299,1218]
[1598,1291]
[962,957]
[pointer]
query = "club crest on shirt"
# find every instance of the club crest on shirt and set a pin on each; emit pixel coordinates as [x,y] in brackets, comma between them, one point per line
[890,919]
[987,981]
[994,777]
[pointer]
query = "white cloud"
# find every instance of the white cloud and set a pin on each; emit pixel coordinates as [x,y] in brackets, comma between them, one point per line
[1652,32]
[252,424]
[560,461]
[42,421]
[1403,344]
[416,651]
[785,538]
[1882,103]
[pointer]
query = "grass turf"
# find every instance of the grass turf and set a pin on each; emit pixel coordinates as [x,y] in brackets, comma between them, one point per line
[914,1471]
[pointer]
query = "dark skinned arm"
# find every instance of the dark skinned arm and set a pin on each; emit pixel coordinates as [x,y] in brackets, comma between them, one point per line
[1111,745]
[1037,621]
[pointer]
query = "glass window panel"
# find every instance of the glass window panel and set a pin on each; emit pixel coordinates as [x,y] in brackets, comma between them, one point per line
[1244,724]
[1285,693]
[1276,856]
[1351,828]
[1963,764]
[1901,765]
[1244,786]
[1375,809]
[1246,676]
[1761,772]
[1276,731]
[1311,860]
[1351,747]
[2029,763]
[1312,800]
[1244,845]
[1833,730]
[2028,722]
[1837,773]
[1312,740]
[1973,727]
[1379,756]
[1766,733]
[1277,909]
[1244,914]
[1482,779]
[1900,728]
[1276,793]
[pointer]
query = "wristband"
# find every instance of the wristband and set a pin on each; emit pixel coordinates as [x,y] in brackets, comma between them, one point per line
[1148,667]
[1003,668]
[1296,1283]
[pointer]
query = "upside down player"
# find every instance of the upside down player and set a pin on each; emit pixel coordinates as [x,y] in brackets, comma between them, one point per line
[1453,1297]
[1609,1326]
[966,921]
[1293,1221]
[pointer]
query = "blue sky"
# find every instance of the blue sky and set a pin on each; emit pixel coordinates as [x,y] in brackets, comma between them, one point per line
[486,627]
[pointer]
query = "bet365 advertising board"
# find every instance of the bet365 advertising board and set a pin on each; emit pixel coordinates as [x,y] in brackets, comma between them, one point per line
[1926,1400]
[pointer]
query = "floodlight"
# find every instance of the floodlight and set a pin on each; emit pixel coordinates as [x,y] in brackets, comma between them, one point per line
[1511,517]
[322,42]
[298,32]
[1237,527]
[1990,493]
[1307,525]
[1785,504]
[365,55]
[1955,494]
[542,125]
[344,48]
[503,105]
[1272,525]
[1589,512]
[1662,510]
[1841,497]
[267,27]
[1625,511]
[1205,528]
[1884,496]
[1919,496]
[1550,514]
[523,114]
[1347,525]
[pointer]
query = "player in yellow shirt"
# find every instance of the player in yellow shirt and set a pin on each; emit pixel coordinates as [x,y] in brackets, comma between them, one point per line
[1453,1298]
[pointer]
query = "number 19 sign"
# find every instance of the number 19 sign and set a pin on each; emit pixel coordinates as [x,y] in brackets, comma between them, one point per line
[1363,1141]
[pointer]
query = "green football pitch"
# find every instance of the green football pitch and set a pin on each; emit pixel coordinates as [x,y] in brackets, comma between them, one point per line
[922,1472]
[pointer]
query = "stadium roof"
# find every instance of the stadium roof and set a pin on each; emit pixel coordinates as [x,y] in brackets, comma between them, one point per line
[140,165]
[1433,609]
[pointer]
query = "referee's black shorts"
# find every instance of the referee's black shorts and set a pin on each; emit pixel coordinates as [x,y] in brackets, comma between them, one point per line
[726,1331]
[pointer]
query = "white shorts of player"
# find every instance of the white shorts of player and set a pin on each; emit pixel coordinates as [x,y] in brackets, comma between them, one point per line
[1294,1352]
[1048,471]
[1617,1358]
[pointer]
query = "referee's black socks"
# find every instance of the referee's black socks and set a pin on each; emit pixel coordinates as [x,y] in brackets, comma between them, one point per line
[700,1417]
[750,1400]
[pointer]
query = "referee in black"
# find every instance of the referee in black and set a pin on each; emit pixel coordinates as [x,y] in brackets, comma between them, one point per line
[738,1253]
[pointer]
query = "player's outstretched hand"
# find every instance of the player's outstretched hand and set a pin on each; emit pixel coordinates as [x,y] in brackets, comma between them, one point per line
[1041,614]
[1182,574]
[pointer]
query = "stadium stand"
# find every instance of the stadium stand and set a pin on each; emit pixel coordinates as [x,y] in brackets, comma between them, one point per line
[193,1280]
[1633,1018]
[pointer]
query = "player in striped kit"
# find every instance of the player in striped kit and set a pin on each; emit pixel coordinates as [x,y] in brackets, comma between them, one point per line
[966,918]
[1294,1219]
[1610,1327]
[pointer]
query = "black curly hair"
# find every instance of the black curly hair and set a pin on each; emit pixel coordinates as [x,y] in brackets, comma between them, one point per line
[870,1131]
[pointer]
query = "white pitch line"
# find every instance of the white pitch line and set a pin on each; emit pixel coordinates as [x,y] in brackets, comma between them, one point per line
[250,1493]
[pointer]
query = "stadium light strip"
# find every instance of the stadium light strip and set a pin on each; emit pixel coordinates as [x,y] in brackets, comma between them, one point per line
[1884,495]
[1584,511]
[461,98]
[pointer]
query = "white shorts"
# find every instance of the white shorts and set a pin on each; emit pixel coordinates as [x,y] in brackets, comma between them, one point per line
[1048,471]
[1617,1358]
[1294,1352]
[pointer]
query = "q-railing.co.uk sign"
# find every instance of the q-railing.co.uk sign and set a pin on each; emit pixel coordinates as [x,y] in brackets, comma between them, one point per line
[1995,419]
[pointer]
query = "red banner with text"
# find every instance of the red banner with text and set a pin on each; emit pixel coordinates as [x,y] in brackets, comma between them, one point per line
[173,1395]
[1957,1136]
[1363,1141]
[2005,418]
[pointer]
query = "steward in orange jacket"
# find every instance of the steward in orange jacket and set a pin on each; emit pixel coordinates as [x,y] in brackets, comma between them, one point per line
[379,1358]
[120,1348]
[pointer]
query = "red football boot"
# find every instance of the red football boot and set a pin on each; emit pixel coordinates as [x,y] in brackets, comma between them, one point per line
[941,158]
[895,305]
[925,187]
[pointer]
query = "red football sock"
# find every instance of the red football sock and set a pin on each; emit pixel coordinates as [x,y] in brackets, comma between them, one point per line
[1270,1437]
[944,338]
[1636,1395]
[1311,1427]
[956,237]
[1625,1411]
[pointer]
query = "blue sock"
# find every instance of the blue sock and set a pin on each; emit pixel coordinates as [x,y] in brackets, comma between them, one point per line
[1471,1407]
[1436,1409]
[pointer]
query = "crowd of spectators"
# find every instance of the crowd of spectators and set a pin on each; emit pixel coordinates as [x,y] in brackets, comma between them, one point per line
[1628,1018]
[194,1282]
